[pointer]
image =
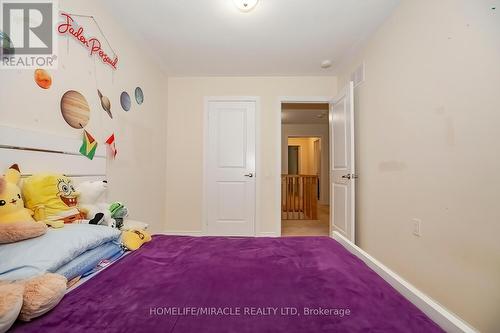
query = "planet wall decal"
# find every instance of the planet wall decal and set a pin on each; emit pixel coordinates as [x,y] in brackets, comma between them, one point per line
[125,101]
[75,109]
[43,78]
[139,95]
[6,45]
[105,103]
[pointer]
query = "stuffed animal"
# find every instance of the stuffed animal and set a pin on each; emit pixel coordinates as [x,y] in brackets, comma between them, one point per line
[91,201]
[53,199]
[16,222]
[133,239]
[118,212]
[30,298]
[11,203]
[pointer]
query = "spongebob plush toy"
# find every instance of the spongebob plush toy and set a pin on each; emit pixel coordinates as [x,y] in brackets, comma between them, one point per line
[53,199]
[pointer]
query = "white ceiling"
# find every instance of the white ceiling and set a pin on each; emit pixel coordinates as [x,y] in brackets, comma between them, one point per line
[304,113]
[279,37]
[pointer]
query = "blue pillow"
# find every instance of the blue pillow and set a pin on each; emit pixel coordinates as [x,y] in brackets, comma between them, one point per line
[47,253]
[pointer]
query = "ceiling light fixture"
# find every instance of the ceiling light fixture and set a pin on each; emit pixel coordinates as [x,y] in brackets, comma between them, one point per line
[245,5]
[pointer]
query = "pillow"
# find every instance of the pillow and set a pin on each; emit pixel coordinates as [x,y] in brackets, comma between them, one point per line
[51,251]
[14,232]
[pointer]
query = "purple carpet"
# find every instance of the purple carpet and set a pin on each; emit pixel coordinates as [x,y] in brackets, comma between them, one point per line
[216,284]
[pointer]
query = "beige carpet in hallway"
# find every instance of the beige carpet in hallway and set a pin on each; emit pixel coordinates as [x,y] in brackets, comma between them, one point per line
[318,227]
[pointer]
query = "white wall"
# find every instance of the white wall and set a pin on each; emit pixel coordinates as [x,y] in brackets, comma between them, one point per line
[137,176]
[427,125]
[317,130]
[185,141]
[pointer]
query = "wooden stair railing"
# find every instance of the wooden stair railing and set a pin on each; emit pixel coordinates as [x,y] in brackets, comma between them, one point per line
[299,197]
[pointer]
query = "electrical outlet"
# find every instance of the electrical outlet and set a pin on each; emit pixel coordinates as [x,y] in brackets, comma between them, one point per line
[417,227]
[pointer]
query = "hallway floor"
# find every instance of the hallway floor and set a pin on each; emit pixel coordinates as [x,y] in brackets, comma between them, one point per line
[318,227]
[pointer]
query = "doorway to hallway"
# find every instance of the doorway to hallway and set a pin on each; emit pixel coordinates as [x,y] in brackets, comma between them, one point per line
[305,181]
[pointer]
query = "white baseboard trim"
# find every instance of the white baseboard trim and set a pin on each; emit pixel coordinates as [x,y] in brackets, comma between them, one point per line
[200,233]
[182,233]
[267,234]
[448,321]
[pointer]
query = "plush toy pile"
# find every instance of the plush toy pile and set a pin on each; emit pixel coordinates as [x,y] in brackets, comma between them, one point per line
[51,200]
[30,298]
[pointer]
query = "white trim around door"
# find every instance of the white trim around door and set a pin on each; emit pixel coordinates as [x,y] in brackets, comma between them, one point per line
[257,173]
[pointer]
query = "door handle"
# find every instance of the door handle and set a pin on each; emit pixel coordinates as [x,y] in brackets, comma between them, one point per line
[249,175]
[350,176]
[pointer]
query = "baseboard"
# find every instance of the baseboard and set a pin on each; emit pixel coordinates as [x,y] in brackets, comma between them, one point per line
[200,233]
[448,321]
[182,233]
[267,234]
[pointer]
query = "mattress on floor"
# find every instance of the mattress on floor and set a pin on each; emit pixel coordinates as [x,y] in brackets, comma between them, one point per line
[88,260]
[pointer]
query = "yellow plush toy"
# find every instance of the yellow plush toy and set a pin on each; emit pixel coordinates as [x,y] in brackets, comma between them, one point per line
[16,222]
[11,203]
[133,239]
[53,199]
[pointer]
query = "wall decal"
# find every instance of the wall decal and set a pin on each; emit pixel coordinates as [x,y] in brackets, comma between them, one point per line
[43,78]
[75,109]
[125,101]
[92,44]
[7,47]
[105,103]
[112,145]
[89,145]
[139,95]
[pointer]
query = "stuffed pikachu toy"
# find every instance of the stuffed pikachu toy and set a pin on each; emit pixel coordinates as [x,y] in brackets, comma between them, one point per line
[16,222]
[11,203]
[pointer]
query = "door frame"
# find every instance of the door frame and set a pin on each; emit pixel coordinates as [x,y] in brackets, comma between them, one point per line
[206,101]
[277,184]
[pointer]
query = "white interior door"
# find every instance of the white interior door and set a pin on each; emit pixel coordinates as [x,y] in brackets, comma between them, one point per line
[230,163]
[342,167]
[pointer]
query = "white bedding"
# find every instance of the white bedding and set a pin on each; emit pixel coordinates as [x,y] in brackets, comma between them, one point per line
[49,252]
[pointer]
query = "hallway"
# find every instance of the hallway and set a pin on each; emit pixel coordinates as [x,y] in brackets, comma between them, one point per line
[318,227]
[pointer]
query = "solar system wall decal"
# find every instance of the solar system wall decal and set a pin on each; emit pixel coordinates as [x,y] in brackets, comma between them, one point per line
[105,103]
[6,45]
[125,101]
[43,78]
[139,95]
[75,109]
